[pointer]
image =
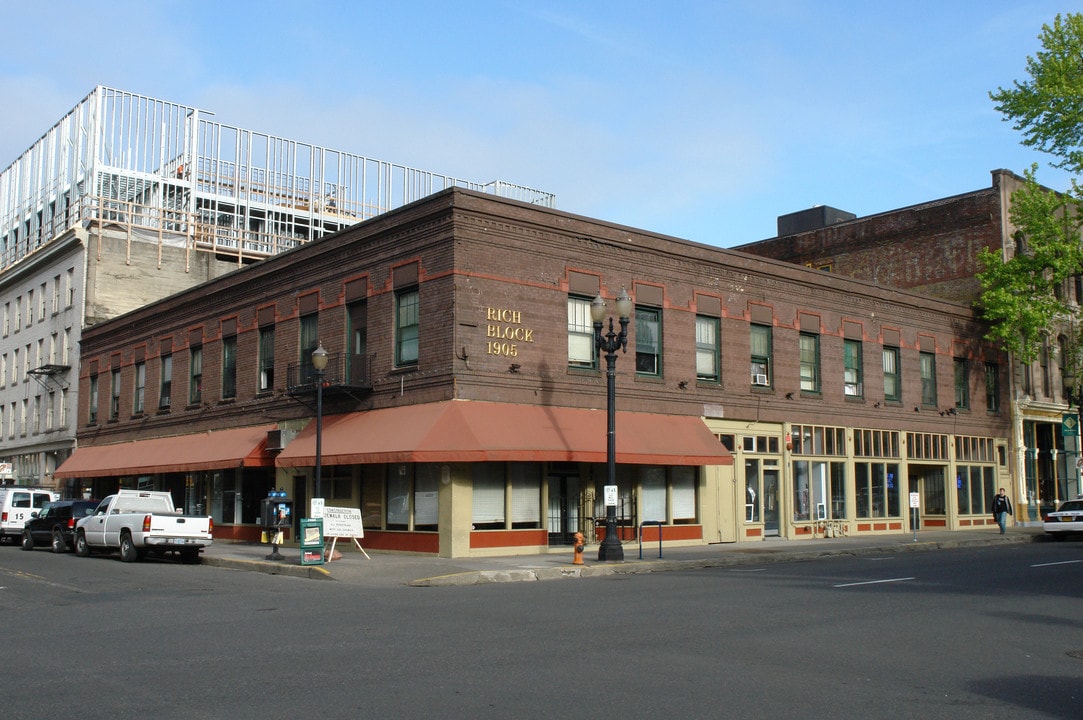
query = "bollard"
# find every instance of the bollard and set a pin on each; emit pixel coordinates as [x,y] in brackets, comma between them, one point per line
[577,551]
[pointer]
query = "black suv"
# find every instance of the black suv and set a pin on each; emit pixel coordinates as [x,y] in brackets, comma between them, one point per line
[54,523]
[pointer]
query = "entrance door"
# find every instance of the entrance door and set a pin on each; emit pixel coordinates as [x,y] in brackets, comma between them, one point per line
[564,500]
[928,482]
[770,502]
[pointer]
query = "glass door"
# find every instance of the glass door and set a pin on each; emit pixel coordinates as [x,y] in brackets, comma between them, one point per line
[563,511]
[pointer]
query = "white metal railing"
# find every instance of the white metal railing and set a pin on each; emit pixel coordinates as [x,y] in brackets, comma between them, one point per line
[121,157]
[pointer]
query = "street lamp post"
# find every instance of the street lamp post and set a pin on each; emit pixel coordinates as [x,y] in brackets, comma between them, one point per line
[1073,395]
[319,365]
[611,548]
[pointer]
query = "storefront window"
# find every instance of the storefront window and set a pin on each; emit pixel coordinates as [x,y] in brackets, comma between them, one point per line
[398,497]
[876,489]
[819,490]
[427,497]
[974,489]
[525,495]
[488,482]
[753,490]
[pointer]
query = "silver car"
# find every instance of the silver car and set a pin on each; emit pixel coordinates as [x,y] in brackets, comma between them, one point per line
[1065,520]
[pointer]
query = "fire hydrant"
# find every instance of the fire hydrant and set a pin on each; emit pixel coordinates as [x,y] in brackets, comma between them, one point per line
[577,557]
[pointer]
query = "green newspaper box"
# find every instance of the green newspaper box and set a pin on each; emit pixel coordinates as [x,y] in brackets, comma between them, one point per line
[311,541]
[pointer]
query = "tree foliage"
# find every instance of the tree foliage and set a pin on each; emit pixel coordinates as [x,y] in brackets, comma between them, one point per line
[1048,108]
[1021,295]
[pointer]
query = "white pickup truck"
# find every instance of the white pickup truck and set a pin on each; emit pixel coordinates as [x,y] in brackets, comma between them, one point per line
[138,522]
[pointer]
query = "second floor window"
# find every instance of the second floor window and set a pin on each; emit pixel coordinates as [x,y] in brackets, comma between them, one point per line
[92,411]
[892,386]
[648,341]
[140,388]
[114,396]
[165,395]
[267,358]
[707,359]
[407,322]
[760,342]
[810,362]
[992,387]
[195,376]
[229,367]
[580,333]
[851,368]
[927,369]
[962,392]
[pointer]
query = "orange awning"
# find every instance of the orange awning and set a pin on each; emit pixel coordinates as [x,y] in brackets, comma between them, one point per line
[239,447]
[466,431]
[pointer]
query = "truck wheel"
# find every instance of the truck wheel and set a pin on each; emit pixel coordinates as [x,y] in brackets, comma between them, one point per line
[81,548]
[59,545]
[128,552]
[28,540]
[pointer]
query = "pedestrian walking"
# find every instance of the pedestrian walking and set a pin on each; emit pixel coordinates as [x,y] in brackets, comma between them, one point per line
[1001,507]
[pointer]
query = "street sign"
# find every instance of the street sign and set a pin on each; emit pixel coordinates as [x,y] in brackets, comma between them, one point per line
[915,500]
[610,495]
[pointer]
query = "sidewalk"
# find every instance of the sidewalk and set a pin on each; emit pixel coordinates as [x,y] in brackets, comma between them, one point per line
[384,569]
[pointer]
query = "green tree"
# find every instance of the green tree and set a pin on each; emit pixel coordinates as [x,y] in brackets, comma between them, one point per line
[1021,295]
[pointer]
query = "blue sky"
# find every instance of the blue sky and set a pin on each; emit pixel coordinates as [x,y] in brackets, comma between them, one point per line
[702,120]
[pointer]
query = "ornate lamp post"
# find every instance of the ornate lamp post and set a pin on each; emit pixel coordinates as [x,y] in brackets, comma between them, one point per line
[1073,395]
[319,365]
[611,548]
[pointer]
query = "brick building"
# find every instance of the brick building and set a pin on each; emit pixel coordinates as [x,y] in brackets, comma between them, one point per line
[932,248]
[464,402]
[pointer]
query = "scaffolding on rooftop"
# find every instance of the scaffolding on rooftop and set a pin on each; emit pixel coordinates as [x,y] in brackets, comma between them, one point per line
[164,170]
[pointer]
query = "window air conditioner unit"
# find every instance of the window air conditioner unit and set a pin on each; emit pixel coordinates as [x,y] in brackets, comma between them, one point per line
[759,380]
[277,440]
[853,389]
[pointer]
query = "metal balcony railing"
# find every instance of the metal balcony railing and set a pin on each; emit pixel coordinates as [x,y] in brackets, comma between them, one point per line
[344,372]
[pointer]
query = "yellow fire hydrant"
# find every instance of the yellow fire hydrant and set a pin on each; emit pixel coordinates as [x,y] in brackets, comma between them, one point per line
[577,556]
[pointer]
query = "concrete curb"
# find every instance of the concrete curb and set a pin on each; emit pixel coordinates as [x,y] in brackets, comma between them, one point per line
[270,567]
[730,559]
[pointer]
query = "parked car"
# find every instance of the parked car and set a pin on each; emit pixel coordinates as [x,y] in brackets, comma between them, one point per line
[54,525]
[1065,520]
[16,504]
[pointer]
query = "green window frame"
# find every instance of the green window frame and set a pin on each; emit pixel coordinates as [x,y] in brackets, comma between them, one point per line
[892,380]
[927,371]
[407,325]
[648,341]
[229,367]
[962,388]
[759,337]
[851,369]
[707,349]
[582,352]
[195,375]
[810,362]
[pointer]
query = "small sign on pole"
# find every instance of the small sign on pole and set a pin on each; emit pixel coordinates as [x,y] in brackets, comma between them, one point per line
[915,503]
[611,496]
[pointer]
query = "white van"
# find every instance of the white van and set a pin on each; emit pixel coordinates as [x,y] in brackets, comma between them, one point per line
[16,504]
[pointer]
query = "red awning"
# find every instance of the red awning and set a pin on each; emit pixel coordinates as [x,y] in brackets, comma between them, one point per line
[466,431]
[239,447]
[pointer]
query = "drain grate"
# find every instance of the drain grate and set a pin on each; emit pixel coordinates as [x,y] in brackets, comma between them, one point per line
[1076,654]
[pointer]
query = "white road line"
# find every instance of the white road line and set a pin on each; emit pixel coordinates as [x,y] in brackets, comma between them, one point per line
[1062,562]
[875,582]
[748,570]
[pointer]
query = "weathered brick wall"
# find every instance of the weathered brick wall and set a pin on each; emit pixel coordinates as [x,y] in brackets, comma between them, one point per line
[494,274]
[930,248]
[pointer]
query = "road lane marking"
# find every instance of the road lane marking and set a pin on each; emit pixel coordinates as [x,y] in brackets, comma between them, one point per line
[875,582]
[1062,562]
